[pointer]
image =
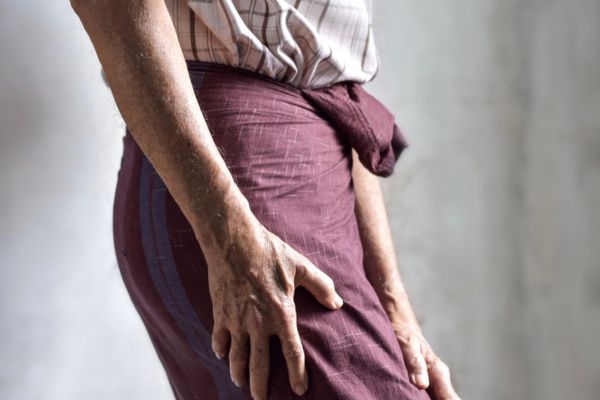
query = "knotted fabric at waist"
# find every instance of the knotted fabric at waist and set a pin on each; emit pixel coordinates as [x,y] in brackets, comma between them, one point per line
[368,125]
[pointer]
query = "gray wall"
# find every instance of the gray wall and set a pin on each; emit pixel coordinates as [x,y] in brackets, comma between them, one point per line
[494,208]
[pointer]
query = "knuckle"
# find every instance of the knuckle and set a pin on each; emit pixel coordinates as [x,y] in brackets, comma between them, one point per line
[415,361]
[287,327]
[323,278]
[308,273]
[237,357]
[408,339]
[433,362]
[285,309]
[235,328]
[256,320]
[301,274]
[431,358]
[328,282]
[290,312]
[237,338]
[280,307]
[293,350]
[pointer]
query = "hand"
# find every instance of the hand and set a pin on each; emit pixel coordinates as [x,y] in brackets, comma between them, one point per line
[252,284]
[425,369]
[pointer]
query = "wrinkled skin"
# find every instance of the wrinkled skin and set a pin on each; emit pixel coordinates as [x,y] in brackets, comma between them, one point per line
[426,369]
[252,284]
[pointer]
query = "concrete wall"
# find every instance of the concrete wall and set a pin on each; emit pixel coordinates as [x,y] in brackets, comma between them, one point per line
[494,208]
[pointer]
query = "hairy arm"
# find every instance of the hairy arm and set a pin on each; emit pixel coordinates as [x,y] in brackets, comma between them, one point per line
[425,368]
[252,273]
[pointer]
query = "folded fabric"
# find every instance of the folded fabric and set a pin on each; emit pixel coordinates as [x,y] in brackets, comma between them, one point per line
[366,123]
[369,126]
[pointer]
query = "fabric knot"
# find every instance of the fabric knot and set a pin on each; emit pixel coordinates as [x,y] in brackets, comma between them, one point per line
[368,125]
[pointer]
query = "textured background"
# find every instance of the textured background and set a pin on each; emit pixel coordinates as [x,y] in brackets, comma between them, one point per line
[494,208]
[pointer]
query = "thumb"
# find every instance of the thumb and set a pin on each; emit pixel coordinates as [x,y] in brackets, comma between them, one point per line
[318,283]
[415,363]
[440,381]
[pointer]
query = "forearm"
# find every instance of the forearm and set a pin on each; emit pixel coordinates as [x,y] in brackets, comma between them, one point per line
[138,48]
[425,368]
[380,261]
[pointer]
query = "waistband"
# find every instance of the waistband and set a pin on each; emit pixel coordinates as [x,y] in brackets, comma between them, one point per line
[367,124]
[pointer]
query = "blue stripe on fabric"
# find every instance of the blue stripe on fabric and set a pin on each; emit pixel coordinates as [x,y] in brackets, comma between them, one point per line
[161,265]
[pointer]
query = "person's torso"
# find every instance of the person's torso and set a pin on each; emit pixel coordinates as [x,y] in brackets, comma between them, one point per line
[306,43]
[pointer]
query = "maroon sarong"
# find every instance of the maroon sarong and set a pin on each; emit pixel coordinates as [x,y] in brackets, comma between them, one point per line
[289,151]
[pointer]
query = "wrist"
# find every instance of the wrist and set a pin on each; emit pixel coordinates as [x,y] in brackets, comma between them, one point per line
[399,310]
[226,216]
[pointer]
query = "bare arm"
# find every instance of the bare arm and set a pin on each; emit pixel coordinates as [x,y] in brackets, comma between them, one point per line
[381,268]
[138,48]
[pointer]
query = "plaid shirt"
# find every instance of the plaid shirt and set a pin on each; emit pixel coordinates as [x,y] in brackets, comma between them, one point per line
[306,43]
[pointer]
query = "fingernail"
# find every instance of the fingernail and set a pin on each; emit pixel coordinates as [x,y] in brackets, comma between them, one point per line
[422,380]
[300,389]
[338,301]
[218,355]
[413,379]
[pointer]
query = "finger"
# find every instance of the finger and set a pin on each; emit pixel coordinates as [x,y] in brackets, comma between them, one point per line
[294,356]
[259,366]
[220,340]
[415,362]
[238,358]
[439,375]
[319,284]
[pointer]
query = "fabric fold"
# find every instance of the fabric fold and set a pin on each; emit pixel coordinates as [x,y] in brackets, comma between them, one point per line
[369,126]
[364,121]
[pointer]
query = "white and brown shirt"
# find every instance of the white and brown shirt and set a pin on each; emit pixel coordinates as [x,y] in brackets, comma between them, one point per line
[307,43]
